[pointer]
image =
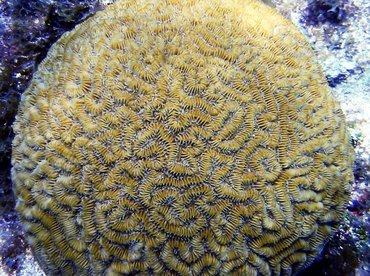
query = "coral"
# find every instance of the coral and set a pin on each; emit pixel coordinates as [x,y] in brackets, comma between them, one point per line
[180,137]
[27,29]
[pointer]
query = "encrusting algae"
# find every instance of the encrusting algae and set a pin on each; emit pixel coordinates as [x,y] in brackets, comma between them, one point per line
[180,138]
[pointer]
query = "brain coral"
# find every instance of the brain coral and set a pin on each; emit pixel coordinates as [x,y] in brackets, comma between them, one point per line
[180,138]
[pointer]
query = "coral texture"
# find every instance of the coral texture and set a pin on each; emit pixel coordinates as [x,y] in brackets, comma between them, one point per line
[180,137]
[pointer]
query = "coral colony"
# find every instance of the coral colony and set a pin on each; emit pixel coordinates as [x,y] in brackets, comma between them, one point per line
[180,137]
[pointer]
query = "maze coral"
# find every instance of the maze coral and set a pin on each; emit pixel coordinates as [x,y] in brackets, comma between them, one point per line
[180,137]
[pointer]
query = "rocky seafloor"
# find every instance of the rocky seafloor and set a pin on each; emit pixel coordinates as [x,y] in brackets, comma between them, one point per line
[338,31]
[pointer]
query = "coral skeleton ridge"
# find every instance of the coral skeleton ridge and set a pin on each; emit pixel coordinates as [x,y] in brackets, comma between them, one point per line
[180,138]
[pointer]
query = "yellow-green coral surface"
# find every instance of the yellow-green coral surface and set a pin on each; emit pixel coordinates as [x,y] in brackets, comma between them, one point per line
[180,138]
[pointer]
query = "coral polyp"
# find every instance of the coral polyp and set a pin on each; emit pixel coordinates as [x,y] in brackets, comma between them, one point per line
[180,137]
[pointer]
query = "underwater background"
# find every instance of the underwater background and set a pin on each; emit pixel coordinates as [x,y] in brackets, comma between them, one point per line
[339,32]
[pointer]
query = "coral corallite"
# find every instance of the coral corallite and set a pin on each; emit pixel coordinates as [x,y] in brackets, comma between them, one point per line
[180,138]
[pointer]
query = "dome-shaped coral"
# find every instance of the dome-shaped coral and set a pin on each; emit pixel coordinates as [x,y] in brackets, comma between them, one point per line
[180,137]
